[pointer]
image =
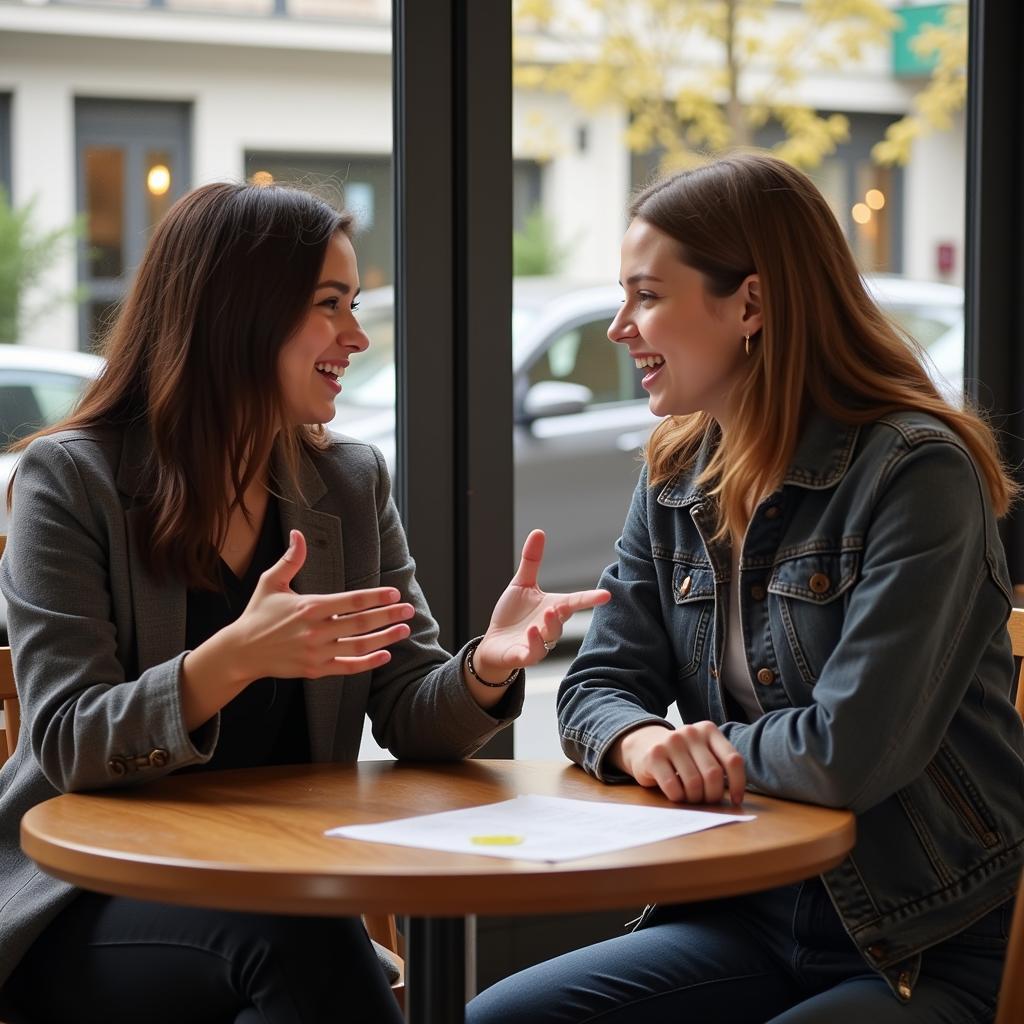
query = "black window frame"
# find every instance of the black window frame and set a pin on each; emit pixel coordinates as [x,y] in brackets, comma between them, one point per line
[452,66]
[994,268]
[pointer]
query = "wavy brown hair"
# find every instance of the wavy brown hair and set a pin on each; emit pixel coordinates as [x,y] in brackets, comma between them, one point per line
[824,343]
[226,279]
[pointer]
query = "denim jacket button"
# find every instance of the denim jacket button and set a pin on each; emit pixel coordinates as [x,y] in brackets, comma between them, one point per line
[765,676]
[876,952]
[903,984]
[757,592]
[684,587]
[819,583]
[772,512]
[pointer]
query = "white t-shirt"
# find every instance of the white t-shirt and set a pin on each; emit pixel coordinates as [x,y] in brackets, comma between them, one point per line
[735,671]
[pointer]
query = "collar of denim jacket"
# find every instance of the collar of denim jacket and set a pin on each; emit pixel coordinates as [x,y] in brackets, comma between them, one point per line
[822,458]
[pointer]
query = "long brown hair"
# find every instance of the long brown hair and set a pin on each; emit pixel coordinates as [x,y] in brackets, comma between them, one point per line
[825,344]
[192,358]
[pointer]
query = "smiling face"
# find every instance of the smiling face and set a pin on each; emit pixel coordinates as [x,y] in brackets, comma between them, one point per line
[312,361]
[688,343]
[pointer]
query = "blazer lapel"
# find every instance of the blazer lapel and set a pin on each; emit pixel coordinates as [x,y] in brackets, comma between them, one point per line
[159,606]
[323,573]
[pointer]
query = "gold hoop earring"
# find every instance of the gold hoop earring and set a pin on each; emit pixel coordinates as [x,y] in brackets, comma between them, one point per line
[746,343]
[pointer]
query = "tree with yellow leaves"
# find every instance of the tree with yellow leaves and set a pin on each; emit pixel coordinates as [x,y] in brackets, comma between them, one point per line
[943,95]
[699,77]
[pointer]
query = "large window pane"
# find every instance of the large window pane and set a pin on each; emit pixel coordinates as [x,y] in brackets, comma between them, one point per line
[609,95]
[104,206]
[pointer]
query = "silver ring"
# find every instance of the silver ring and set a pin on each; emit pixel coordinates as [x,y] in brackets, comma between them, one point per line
[547,647]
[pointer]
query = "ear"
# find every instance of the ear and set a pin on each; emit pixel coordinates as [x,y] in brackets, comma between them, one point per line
[749,292]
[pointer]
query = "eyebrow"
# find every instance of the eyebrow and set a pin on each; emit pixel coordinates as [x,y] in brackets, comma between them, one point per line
[338,285]
[637,278]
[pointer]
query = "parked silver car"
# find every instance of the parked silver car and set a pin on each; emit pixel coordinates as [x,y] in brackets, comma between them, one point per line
[580,414]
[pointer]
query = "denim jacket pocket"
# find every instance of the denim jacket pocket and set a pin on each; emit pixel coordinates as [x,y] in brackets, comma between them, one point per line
[954,784]
[805,592]
[693,591]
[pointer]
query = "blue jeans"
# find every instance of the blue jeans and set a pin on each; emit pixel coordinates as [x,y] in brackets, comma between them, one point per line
[780,956]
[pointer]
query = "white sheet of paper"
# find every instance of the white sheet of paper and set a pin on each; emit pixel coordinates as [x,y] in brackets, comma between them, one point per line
[544,828]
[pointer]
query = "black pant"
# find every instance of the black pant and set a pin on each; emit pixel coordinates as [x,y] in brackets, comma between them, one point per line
[111,960]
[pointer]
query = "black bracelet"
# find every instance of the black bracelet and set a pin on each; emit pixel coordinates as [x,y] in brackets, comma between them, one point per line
[472,671]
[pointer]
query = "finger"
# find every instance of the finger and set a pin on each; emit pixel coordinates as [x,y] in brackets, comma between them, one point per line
[689,774]
[529,564]
[711,771]
[325,606]
[357,623]
[582,599]
[665,775]
[280,575]
[355,646]
[732,764]
[353,666]
[552,631]
[533,651]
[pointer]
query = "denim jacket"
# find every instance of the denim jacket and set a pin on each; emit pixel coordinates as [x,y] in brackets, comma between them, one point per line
[874,596]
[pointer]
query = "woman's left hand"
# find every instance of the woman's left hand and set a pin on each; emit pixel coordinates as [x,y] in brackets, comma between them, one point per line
[525,618]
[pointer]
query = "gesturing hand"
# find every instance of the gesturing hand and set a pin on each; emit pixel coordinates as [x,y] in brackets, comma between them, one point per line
[525,618]
[689,764]
[288,635]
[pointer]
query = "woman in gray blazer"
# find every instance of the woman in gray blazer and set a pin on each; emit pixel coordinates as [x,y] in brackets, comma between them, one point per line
[199,576]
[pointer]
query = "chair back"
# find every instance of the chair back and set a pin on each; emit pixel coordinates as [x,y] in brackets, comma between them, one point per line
[1011,993]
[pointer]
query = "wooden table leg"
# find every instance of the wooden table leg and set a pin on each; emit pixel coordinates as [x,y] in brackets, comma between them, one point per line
[435,970]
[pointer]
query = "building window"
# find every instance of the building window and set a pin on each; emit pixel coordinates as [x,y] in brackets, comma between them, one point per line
[527,191]
[133,163]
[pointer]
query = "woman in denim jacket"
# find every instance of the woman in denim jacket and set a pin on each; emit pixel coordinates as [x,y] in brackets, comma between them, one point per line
[811,570]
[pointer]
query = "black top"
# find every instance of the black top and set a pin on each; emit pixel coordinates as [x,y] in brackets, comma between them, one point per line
[266,723]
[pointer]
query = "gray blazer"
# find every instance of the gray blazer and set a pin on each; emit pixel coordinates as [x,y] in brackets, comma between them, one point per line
[98,642]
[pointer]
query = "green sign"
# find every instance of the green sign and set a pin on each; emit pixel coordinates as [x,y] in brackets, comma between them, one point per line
[905,62]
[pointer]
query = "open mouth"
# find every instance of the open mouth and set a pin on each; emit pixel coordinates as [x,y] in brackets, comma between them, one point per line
[332,373]
[653,364]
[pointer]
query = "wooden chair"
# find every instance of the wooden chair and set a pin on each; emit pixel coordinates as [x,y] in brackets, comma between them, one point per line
[8,695]
[380,927]
[1011,992]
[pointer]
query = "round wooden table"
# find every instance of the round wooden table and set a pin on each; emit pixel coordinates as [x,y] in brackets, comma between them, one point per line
[254,840]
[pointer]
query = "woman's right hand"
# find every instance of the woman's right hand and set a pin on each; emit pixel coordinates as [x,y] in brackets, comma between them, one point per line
[288,635]
[690,764]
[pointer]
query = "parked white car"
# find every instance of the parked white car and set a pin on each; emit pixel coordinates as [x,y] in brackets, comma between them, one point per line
[37,387]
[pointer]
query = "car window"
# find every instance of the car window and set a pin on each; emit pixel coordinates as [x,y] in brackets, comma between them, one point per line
[30,399]
[584,355]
